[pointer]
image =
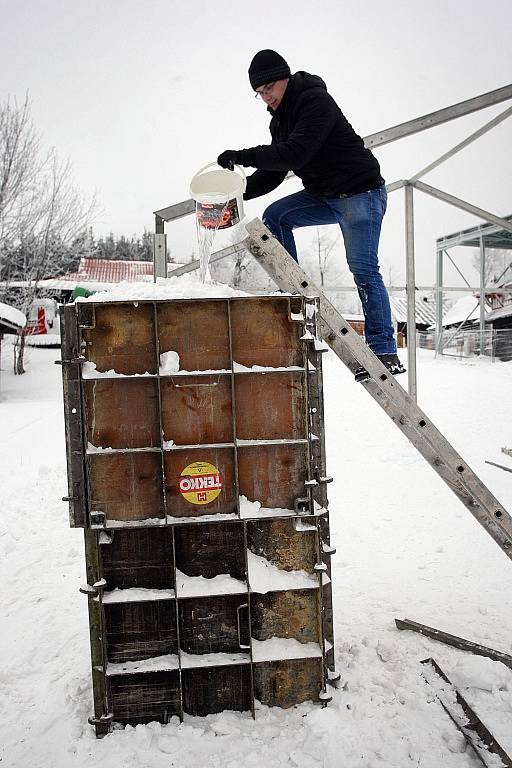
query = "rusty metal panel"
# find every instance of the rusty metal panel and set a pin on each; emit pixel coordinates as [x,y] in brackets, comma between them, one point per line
[139,558]
[291,614]
[286,683]
[122,337]
[270,406]
[178,463]
[198,331]
[197,409]
[272,474]
[280,542]
[206,691]
[211,550]
[264,334]
[193,426]
[122,413]
[136,631]
[143,698]
[214,624]
[126,486]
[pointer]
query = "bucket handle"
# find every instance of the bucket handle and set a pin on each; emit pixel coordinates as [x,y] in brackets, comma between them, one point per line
[210,165]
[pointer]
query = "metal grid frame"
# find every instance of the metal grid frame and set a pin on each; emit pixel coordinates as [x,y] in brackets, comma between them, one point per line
[99,531]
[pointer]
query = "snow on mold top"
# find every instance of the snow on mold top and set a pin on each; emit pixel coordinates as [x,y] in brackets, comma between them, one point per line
[183,287]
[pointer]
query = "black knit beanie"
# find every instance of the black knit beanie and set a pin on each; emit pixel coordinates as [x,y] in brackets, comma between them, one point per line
[267,67]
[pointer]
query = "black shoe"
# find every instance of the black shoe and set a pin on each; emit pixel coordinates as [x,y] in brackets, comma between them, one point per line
[391,362]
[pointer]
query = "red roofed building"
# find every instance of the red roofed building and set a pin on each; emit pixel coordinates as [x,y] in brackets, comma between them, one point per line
[110,271]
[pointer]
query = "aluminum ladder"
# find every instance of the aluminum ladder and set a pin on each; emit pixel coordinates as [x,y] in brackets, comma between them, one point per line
[384,388]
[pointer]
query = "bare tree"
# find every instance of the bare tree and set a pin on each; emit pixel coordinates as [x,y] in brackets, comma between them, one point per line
[42,214]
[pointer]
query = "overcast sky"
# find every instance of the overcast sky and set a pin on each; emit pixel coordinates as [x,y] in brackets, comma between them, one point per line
[140,94]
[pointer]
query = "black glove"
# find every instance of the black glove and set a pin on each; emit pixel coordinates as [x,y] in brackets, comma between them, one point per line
[228,159]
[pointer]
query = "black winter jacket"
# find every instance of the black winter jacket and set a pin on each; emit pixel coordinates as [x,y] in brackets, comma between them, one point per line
[311,137]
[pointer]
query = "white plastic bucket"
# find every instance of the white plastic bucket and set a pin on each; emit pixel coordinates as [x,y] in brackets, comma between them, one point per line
[219,197]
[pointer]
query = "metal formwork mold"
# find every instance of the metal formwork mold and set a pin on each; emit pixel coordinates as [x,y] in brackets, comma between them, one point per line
[196,466]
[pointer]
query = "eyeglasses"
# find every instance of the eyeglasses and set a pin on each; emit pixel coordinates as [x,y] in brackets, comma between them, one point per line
[264,91]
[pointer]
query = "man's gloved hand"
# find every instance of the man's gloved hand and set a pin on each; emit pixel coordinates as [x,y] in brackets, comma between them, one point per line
[228,159]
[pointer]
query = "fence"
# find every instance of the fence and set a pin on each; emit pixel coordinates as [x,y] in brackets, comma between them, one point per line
[465,343]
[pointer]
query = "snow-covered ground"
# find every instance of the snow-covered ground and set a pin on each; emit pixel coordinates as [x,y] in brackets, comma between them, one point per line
[406,547]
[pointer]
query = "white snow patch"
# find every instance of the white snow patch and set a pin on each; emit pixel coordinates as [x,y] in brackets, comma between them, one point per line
[169,362]
[277,648]
[199,586]
[265,577]
[137,595]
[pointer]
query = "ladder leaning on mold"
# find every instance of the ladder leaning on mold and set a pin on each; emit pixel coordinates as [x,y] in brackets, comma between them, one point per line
[394,400]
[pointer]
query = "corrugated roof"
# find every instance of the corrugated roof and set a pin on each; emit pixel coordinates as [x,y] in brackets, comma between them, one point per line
[425,310]
[109,271]
[496,314]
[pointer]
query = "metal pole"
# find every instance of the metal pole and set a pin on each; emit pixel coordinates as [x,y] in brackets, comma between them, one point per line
[439,303]
[463,144]
[411,298]
[463,205]
[482,294]
[159,256]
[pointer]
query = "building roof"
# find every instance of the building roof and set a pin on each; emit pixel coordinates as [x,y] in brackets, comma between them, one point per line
[497,314]
[465,310]
[109,271]
[425,310]
[11,319]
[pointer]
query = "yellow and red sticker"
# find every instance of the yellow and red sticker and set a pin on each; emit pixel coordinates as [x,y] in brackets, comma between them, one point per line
[200,482]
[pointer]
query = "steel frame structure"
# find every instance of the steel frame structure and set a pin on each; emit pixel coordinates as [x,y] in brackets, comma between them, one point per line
[482,236]
[381,138]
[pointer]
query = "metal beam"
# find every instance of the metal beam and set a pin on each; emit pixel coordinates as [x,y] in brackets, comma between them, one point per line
[463,144]
[411,288]
[186,207]
[439,117]
[457,642]
[458,203]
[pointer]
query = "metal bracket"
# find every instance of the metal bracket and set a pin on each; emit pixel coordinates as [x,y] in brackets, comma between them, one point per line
[103,720]
[301,505]
[98,519]
[87,589]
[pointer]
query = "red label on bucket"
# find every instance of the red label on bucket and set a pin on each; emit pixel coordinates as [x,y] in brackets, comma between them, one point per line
[217,215]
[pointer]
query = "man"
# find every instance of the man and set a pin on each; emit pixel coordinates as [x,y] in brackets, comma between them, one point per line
[342,182]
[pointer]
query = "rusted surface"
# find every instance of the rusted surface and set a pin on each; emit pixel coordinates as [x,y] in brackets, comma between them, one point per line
[122,413]
[210,550]
[176,462]
[270,407]
[263,334]
[197,409]
[211,624]
[291,614]
[209,690]
[123,338]
[286,683]
[141,557]
[272,474]
[142,698]
[198,331]
[126,486]
[279,542]
[137,631]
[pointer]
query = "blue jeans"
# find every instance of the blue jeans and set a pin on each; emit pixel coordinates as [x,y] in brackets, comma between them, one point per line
[360,218]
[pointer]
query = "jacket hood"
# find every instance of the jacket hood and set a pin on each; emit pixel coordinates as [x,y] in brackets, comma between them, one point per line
[299,82]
